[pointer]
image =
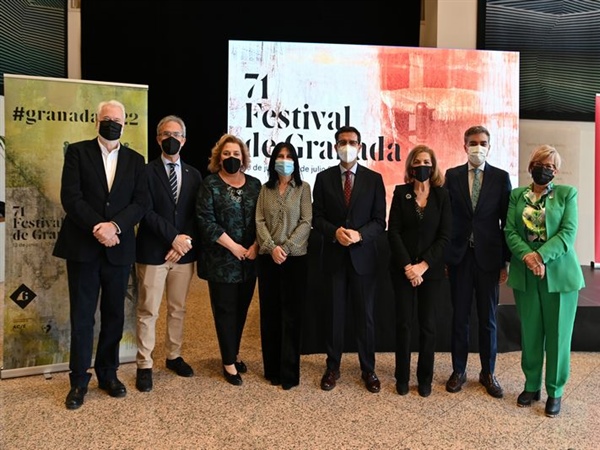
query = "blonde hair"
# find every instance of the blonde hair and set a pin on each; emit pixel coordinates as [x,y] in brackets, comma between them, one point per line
[214,162]
[543,152]
[436,179]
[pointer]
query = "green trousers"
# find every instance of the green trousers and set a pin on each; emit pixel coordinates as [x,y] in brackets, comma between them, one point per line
[547,320]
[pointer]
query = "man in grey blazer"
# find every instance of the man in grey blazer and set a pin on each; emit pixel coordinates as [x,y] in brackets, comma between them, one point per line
[349,211]
[165,251]
[104,195]
[477,255]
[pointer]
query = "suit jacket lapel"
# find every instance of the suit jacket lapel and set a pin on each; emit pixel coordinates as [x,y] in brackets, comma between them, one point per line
[98,165]
[463,181]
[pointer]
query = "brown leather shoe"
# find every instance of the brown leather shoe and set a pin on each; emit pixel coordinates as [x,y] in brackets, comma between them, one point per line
[371,382]
[329,379]
[488,380]
[456,381]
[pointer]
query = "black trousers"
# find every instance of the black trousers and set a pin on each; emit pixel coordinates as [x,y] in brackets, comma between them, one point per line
[230,303]
[90,282]
[282,292]
[423,299]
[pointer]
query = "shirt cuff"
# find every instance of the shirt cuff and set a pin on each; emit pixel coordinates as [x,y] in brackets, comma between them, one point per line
[116,226]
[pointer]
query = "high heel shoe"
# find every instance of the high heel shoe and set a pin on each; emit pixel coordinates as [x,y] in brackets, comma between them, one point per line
[525,398]
[240,366]
[236,379]
[552,406]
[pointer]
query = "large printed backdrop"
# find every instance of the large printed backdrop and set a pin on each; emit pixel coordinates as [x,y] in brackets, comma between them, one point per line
[397,97]
[42,115]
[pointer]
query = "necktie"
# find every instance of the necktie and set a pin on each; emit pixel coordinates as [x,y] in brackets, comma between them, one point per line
[348,187]
[173,180]
[476,188]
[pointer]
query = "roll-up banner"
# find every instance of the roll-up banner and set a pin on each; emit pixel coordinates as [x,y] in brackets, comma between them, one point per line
[42,116]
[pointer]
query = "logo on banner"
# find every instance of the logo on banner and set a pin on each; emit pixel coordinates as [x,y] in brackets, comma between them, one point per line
[23,296]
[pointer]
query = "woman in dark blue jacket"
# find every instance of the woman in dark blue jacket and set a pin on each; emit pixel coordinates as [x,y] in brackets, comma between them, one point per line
[418,230]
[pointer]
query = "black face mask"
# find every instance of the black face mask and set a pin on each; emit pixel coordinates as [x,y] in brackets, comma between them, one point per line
[421,173]
[232,164]
[110,130]
[170,145]
[542,175]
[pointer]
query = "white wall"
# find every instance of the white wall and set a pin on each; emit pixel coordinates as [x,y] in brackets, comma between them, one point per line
[455,24]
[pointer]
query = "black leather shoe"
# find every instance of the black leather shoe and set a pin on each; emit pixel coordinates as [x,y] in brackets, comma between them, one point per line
[180,367]
[275,381]
[525,398]
[329,379]
[424,390]
[241,367]
[371,382]
[75,397]
[552,406]
[456,381]
[401,388]
[143,380]
[114,388]
[288,386]
[236,379]
[489,381]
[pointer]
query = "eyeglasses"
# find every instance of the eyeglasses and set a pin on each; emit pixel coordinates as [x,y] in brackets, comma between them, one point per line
[343,142]
[175,134]
[545,166]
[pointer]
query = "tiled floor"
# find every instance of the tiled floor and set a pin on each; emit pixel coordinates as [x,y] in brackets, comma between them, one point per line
[204,412]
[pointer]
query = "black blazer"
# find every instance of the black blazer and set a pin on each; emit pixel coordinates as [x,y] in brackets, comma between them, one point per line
[166,219]
[413,240]
[86,200]
[486,222]
[366,213]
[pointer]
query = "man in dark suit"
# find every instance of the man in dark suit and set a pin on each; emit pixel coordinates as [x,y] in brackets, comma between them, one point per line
[477,256]
[165,254]
[349,211]
[104,195]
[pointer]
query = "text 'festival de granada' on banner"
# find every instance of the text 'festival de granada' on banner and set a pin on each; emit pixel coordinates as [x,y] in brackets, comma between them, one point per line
[42,116]
[397,97]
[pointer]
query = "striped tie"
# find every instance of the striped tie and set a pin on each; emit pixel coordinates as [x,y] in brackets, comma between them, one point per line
[173,180]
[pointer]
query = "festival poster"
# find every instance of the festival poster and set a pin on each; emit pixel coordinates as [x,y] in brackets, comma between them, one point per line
[42,116]
[397,97]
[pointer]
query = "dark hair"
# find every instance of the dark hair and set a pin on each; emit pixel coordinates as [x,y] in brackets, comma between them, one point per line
[477,129]
[273,175]
[347,129]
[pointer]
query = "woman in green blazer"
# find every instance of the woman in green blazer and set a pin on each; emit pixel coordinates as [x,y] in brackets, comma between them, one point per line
[545,276]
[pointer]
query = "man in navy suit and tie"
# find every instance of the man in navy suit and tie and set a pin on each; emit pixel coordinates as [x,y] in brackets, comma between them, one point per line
[104,195]
[349,211]
[165,251]
[476,256]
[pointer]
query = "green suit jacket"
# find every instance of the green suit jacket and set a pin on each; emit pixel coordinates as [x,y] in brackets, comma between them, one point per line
[563,271]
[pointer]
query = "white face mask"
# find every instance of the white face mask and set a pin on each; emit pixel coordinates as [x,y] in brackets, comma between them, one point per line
[477,154]
[347,153]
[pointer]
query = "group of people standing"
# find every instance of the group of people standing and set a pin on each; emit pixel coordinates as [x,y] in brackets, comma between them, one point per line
[466,225]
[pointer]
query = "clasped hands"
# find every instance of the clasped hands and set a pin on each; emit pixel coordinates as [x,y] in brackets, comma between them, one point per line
[414,272]
[346,236]
[535,263]
[106,234]
[279,255]
[179,247]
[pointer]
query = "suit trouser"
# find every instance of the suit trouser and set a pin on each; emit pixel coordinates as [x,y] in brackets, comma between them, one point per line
[350,290]
[172,280]
[230,303]
[90,282]
[423,298]
[282,290]
[467,278]
[547,321]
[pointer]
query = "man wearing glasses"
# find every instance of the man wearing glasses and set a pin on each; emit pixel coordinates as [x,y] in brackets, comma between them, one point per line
[349,211]
[104,195]
[476,256]
[165,252]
